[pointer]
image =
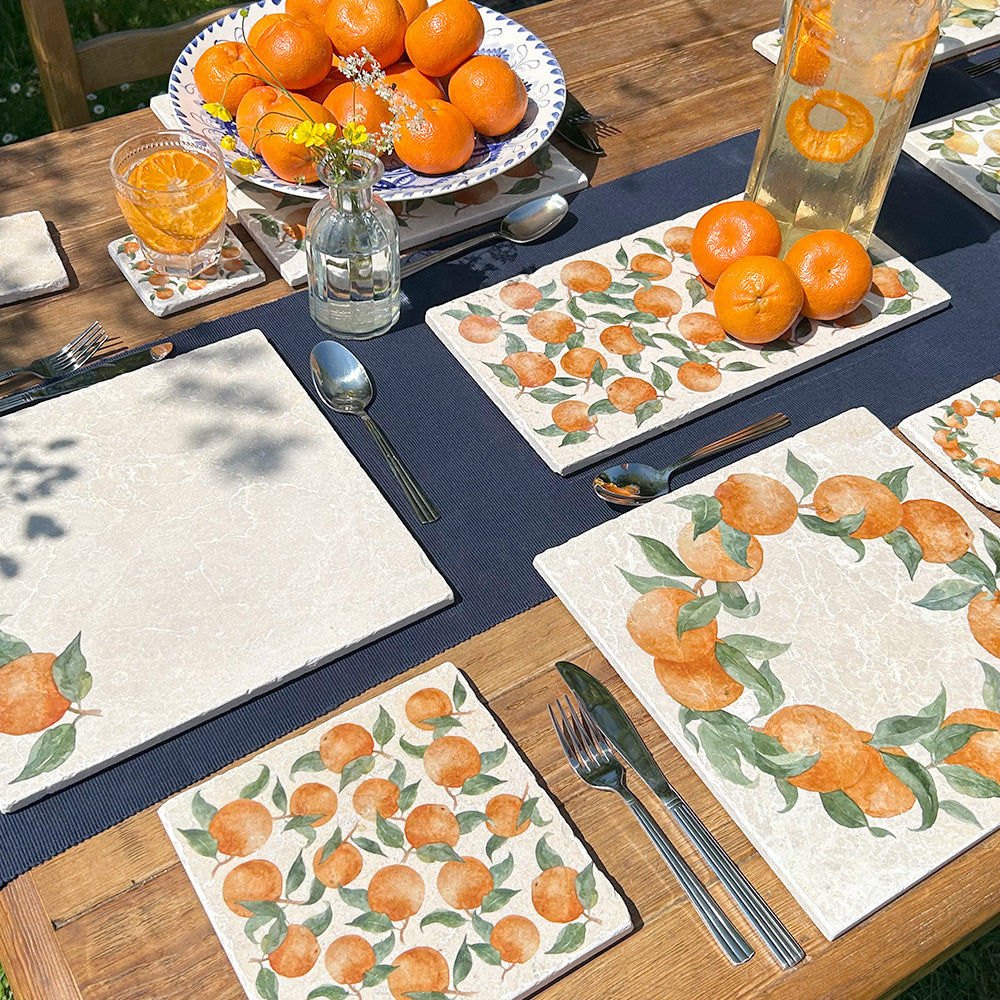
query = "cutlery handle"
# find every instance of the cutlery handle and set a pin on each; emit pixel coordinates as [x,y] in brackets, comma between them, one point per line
[12,373]
[729,938]
[412,266]
[772,423]
[762,918]
[426,511]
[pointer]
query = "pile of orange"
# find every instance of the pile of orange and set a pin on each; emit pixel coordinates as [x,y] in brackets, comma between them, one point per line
[757,295]
[428,55]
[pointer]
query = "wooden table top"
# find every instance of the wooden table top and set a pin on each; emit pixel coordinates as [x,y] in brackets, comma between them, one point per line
[116,916]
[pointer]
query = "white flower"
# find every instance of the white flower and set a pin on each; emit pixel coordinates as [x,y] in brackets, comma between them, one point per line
[8,137]
[124,86]
[15,87]
[91,97]
[98,109]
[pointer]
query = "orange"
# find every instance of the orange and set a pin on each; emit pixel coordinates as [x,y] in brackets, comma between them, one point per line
[699,683]
[295,53]
[554,895]
[515,939]
[811,57]
[223,75]
[419,970]
[628,394]
[343,743]
[427,703]
[376,25]
[297,954]
[308,10]
[810,729]
[264,117]
[982,751]
[586,276]
[705,556]
[438,140]
[758,505]
[319,92]
[351,103]
[444,36]
[939,530]
[652,623]
[29,698]
[834,270]
[241,827]
[413,9]
[502,814]
[407,80]
[839,496]
[252,881]
[349,959]
[757,299]
[490,94]
[836,145]
[699,376]
[729,231]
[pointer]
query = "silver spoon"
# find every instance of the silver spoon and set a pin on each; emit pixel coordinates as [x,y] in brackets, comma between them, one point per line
[529,222]
[633,484]
[344,385]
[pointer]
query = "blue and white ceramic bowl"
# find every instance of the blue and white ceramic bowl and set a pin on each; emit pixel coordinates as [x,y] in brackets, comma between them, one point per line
[526,54]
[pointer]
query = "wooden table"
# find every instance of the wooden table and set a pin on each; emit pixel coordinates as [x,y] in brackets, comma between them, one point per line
[116,917]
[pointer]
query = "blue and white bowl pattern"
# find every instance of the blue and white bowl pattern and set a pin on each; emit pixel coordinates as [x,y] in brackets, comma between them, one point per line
[526,54]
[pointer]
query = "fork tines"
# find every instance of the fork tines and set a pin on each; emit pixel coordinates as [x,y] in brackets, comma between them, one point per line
[577,735]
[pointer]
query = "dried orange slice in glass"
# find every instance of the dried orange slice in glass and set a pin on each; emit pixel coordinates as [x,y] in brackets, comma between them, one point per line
[834,145]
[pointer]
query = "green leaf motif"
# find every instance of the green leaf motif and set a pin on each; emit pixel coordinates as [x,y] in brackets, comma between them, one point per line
[201,842]
[951,739]
[316,892]
[603,407]
[544,395]
[255,787]
[355,898]
[493,844]
[449,918]
[267,984]
[743,671]
[698,613]
[917,778]
[907,549]
[327,992]
[896,481]
[991,686]
[513,344]
[842,809]
[296,875]
[937,708]
[992,547]
[788,792]
[477,310]
[387,832]
[735,543]
[202,811]
[69,671]
[10,646]
[902,730]
[49,751]
[505,373]
[480,783]
[481,926]
[336,839]
[735,601]
[278,796]
[497,899]
[836,529]
[470,819]
[369,845]
[661,557]
[968,782]
[384,728]
[957,811]
[438,852]
[973,568]
[574,437]
[570,939]
[502,870]
[545,856]
[463,962]
[706,512]
[319,922]
[949,595]
[773,759]
[755,647]
[411,749]
[486,953]
[355,769]
[644,584]
[492,758]
[307,762]
[644,411]
[383,948]
[723,756]
[275,935]
[373,923]
[586,887]
[803,475]
[696,290]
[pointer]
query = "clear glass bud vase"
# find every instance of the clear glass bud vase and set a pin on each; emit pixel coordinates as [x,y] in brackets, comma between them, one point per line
[352,248]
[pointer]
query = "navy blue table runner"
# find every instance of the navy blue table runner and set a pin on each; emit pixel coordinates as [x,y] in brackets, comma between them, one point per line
[499,504]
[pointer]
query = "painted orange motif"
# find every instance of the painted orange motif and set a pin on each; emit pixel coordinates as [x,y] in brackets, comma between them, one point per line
[982,751]
[397,891]
[940,531]
[427,703]
[314,799]
[252,881]
[758,505]
[297,954]
[341,867]
[344,743]
[431,823]
[502,812]
[516,939]
[29,698]
[699,683]
[878,792]
[652,623]
[241,827]
[706,556]
[840,496]
[349,959]
[554,895]
[464,884]
[376,796]
[451,761]
[419,970]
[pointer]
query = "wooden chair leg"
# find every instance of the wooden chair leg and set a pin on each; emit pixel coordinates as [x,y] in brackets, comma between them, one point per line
[58,67]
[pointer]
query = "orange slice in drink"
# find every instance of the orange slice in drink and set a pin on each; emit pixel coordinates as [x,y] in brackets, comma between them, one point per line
[177,201]
[834,145]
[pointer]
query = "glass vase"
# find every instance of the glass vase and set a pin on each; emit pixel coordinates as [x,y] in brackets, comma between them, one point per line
[844,91]
[352,250]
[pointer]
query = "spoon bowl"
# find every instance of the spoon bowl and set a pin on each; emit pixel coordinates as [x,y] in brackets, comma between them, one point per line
[524,224]
[344,386]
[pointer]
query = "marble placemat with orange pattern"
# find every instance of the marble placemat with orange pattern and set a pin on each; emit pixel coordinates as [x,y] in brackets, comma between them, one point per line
[596,352]
[815,628]
[403,847]
[276,222]
[964,151]
[961,436]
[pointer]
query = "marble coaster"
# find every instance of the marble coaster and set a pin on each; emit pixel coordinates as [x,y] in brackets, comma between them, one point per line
[404,845]
[964,151]
[777,633]
[537,345]
[961,437]
[171,550]
[30,265]
[276,222]
[964,29]
[164,294]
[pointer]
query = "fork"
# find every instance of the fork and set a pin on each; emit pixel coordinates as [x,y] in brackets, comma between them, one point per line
[68,358]
[633,484]
[979,69]
[591,757]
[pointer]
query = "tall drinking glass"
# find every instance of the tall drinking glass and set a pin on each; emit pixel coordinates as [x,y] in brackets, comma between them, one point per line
[171,188]
[844,90]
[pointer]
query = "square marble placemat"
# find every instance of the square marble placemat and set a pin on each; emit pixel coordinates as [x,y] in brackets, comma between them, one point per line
[30,264]
[277,222]
[403,845]
[537,345]
[175,535]
[960,435]
[797,636]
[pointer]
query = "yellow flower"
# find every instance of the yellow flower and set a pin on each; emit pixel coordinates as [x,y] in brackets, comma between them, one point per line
[355,133]
[310,134]
[228,142]
[246,165]
[218,111]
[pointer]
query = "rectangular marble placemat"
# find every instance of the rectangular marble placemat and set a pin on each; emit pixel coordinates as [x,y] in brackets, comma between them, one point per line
[178,541]
[30,264]
[597,352]
[823,596]
[404,845]
[960,435]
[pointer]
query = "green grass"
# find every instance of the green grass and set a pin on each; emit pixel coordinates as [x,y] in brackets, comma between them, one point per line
[973,974]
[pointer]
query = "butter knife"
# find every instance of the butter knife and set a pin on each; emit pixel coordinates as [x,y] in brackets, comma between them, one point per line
[611,719]
[89,376]
[573,133]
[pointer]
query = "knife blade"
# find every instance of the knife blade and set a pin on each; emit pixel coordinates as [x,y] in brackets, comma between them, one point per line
[602,707]
[572,132]
[89,376]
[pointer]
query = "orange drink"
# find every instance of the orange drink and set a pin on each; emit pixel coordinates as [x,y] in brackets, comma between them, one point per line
[171,188]
[844,90]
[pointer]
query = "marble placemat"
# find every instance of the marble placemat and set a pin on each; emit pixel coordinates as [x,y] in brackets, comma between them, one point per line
[964,29]
[831,602]
[961,437]
[596,352]
[30,264]
[178,540]
[277,222]
[964,151]
[164,294]
[403,847]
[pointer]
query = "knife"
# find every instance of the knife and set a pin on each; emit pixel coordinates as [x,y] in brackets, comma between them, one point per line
[611,719]
[89,376]
[574,133]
